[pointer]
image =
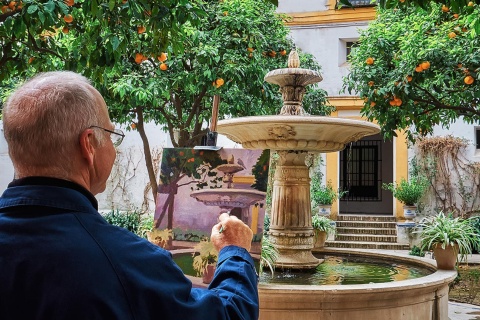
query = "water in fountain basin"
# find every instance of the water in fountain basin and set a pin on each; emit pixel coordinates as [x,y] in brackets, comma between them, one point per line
[338,270]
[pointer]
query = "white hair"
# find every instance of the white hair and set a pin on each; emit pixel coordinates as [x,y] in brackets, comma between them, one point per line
[43,120]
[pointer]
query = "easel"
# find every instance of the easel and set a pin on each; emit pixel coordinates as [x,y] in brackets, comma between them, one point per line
[209,142]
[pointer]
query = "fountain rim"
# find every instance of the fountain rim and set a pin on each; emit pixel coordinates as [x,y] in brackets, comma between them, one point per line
[297,119]
[435,279]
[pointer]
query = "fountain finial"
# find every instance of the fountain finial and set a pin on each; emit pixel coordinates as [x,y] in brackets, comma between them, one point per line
[293,59]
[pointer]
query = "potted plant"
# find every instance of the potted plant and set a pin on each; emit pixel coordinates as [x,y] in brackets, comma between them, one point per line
[448,237]
[409,193]
[323,197]
[204,260]
[322,227]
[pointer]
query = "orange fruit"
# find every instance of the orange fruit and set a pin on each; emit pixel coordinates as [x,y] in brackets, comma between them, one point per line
[468,80]
[68,18]
[65,30]
[419,68]
[455,15]
[139,58]
[272,53]
[124,1]
[392,103]
[141,29]
[162,57]
[133,125]
[250,49]
[31,59]
[369,61]
[470,4]
[163,67]
[372,104]
[452,35]
[445,8]
[69,2]
[12,5]
[5,9]
[409,78]
[425,65]
[219,82]
[225,13]
[371,83]
[283,52]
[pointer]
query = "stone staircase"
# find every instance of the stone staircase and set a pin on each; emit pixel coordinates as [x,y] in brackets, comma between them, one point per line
[366,232]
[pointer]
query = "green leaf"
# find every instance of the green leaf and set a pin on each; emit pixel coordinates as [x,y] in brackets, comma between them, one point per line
[31,9]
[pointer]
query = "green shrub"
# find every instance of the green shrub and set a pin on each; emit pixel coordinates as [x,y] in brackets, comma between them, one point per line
[129,220]
[408,192]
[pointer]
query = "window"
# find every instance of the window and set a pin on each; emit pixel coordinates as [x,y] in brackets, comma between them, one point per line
[360,171]
[349,46]
[355,3]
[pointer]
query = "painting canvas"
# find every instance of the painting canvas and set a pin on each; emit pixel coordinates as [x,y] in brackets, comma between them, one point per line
[196,186]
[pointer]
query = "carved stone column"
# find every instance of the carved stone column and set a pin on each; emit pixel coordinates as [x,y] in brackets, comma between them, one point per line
[291,229]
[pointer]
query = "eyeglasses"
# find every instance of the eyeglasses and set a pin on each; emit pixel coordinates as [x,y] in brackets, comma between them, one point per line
[116,137]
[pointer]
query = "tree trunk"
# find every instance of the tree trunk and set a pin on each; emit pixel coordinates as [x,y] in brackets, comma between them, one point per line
[147,152]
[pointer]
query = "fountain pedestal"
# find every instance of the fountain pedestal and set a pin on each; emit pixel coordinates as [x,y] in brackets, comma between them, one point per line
[291,221]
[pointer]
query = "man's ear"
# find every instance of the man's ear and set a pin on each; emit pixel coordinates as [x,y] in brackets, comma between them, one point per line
[87,145]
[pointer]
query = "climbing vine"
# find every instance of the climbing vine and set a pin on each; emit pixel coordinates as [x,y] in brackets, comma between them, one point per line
[454,180]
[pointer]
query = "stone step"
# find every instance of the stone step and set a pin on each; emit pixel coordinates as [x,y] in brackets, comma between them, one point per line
[345,217]
[365,238]
[374,231]
[366,245]
[366,224]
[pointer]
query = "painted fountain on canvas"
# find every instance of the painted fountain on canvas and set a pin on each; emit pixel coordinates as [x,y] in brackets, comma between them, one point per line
[292,135]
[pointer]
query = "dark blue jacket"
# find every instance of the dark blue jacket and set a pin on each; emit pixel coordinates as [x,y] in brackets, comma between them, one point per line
[59,259]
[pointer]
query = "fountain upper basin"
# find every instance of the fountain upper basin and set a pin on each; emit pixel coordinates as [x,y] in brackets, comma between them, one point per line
[305,133]
[229,198]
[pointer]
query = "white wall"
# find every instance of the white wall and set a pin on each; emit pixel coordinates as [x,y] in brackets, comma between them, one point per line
[327,43]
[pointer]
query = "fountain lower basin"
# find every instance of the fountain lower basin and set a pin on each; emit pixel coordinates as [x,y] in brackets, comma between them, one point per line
[423,298]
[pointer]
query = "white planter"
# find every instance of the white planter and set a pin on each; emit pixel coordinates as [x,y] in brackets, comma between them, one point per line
[324,210]
[409,212]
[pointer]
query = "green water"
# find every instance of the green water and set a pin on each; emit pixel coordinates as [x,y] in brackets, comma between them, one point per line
[337,270]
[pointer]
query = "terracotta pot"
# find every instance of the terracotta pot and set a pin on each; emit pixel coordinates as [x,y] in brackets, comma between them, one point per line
[320,238]
[446,258]
[208,273]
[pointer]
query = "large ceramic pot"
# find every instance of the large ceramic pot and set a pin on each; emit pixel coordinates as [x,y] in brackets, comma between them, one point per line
[320,239]
[409,212]
[208,273]
[446,258]
[324,210]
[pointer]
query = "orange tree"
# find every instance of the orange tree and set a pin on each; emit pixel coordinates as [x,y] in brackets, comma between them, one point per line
[227,54]
[417,68]
[158,61]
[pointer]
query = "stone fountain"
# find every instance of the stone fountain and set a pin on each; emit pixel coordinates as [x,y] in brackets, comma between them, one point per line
[292,134]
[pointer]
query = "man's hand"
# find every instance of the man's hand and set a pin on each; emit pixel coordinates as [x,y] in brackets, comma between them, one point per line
[231,231]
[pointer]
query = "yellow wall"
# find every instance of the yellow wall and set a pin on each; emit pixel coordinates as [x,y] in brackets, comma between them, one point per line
[331,15]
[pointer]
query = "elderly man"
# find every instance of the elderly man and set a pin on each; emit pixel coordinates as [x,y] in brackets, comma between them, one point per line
[59,259]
